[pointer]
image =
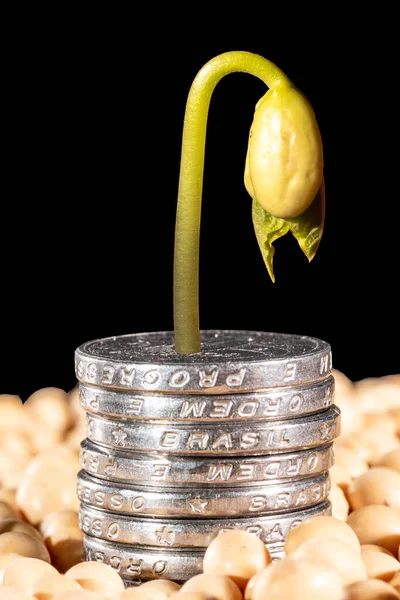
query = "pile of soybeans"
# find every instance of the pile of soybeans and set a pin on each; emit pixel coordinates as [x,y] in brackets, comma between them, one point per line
[353,555]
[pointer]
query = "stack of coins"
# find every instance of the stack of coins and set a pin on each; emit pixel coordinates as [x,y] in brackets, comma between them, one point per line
[182,447]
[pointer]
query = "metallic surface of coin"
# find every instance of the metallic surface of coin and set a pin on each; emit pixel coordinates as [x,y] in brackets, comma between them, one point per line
[238,437]
[182,471]
[209,502]
[133,583]
[229,362]
[189,533]
[135,564]
[286,402]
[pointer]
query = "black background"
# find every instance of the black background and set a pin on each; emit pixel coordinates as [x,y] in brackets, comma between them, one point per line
[95,109]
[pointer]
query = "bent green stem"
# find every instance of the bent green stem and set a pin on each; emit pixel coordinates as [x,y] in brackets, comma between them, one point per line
[187,229]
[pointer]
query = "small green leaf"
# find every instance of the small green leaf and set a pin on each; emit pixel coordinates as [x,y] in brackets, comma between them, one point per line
[307,228]
[267,229]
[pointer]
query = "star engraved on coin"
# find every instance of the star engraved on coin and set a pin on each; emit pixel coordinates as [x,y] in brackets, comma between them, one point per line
[165,536]
[325,430]
[198,505]
[119,435]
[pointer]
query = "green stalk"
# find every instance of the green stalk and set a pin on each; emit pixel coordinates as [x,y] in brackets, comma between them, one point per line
[187,229]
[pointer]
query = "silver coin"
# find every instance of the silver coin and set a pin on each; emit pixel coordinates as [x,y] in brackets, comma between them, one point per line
[208,502]
[140,563]
[229,361]
[136,564]
[181,471]
[189,533]
[287,402]
[238,437]
[133,582]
